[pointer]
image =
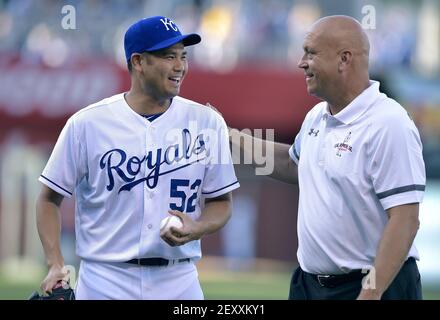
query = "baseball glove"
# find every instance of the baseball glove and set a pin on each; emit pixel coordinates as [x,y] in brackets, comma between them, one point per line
[58,293]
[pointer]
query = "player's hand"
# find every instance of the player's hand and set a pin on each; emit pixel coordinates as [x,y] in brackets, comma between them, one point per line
[56,275]
[191,230]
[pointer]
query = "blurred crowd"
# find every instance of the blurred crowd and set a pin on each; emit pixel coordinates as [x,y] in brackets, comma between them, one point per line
[234,31]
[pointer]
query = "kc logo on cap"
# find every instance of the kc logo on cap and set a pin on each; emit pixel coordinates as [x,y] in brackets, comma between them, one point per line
[169,23]
[155,33]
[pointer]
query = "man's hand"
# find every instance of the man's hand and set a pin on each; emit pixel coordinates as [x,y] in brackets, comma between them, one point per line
[394,246]
[213,108]
[369,294]
[56,274]
[191,230]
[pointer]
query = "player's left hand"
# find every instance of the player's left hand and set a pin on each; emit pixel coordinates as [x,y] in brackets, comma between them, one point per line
[191,230]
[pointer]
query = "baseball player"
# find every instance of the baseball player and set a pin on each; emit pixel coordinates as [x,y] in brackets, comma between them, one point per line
[131,160]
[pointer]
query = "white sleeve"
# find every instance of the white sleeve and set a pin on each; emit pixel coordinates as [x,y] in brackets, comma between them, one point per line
[220,175]
[65,167]
[295,148]
[397,168]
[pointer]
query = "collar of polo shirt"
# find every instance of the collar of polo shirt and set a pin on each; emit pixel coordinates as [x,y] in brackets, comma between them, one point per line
[356,107]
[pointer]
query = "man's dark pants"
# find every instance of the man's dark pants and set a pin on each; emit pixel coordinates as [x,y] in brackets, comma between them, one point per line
[405,286]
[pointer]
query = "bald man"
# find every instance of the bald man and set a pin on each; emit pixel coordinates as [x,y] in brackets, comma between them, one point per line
[358,162]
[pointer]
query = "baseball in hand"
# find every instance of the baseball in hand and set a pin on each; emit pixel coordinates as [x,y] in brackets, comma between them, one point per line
[170,221]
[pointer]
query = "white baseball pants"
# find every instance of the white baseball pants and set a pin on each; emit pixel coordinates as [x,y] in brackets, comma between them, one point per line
[124,281]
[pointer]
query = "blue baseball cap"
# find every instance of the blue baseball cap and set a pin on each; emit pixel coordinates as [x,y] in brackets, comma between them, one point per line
[155,33]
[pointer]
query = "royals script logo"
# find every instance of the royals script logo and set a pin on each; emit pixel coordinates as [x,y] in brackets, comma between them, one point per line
[116,163]
[344,146]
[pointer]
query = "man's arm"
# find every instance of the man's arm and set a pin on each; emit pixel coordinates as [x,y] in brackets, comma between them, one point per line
[214,216]
[284,168]
[394,246]
[49,230]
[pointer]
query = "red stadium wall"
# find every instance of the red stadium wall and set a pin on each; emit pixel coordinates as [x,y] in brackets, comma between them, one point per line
[253,98]
[33,96]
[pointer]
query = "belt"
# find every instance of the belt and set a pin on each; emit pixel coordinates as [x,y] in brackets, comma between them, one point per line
[334,280]
[156,262]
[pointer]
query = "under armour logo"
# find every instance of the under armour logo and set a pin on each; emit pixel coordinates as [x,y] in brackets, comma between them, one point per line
[169,23]
[312,131]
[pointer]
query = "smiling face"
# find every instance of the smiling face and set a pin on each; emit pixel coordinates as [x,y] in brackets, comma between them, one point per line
[320,65]
[335,60]
[163,71]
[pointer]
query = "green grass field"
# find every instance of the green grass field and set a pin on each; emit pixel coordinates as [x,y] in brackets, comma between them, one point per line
[228,286]
[265,280]
[245,285]
[222,286]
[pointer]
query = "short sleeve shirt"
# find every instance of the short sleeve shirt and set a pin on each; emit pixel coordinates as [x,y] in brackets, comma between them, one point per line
[352,167]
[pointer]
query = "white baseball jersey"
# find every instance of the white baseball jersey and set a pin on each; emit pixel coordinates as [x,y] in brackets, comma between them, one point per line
[127,172]
[353,166]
